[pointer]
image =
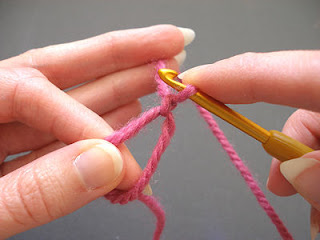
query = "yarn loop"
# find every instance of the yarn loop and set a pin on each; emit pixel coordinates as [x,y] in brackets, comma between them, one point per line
[168,103]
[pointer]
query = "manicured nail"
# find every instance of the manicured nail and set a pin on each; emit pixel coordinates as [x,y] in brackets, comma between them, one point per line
[99,166]
[182,75]
[181,57]
[314,223]
[188,35]
[304,175]
[147,190]
[195,71]
[267,184]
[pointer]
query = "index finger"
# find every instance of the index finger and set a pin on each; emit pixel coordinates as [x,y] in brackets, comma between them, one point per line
[72,63]
[289,78]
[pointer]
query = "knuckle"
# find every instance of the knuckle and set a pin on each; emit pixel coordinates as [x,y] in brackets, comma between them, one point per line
[112,48]
[46,194]
[25,93]
[27,201]
[116,91]
[303,126]
[30,57]
[19,86]
[19,99]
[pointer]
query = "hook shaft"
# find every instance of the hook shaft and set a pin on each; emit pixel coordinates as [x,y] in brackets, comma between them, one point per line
[218,108]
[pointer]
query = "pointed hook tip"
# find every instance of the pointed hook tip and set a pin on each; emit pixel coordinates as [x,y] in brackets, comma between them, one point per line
[167,74]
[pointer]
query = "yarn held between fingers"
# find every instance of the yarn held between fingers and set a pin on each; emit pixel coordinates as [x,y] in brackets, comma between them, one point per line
[169,102]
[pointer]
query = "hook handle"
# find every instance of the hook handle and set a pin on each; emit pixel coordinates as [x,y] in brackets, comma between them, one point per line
[283,147]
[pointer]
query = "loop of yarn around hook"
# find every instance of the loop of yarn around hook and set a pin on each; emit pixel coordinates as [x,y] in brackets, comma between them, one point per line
[168,104]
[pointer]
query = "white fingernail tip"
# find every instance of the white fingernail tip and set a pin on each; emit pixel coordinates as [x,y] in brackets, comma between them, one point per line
[182,75]
[181,57]
[188,35]
[293,168]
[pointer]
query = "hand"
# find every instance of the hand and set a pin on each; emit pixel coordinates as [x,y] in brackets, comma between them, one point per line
[39,113]
[289,78]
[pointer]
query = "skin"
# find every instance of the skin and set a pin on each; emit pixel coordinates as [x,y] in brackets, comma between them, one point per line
[290,78]
[37,114]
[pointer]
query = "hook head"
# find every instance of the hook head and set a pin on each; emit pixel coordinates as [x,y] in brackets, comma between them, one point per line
[167,74]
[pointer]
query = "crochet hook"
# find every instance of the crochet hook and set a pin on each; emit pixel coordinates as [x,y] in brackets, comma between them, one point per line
[274,142]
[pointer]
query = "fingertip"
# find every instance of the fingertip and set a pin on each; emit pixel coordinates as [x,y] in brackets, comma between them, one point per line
[277,184]
[181,57]
[99,166]
[198,76]
[188,35]
[173,64]
[132,170]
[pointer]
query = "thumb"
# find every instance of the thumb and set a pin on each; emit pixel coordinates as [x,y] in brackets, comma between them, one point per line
[304,175]
[58,184]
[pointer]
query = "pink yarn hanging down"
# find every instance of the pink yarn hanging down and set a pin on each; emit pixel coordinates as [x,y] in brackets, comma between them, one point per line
[169,102]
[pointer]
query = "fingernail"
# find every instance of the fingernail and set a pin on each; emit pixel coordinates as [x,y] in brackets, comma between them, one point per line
[181,57]
[304,175]
[147,190]
[188,35]
[267,184]
[193,72]
[99,166]
[182,75]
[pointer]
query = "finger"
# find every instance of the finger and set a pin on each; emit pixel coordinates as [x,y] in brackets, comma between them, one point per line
[24,138]
[31,99]
[58,184]
[101,96]
[59,114]
[289,78]
[72,63]
[118,117]
[120,88]
[16,137]
[122,115]
[304,175]
[303,126]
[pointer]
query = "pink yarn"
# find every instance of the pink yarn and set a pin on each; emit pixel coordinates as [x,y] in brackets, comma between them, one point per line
[245,173]
[168,103]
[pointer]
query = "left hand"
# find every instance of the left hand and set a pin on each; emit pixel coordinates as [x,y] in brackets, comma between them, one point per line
[39,113]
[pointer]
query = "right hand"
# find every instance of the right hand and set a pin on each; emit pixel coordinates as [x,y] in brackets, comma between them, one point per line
[289,78]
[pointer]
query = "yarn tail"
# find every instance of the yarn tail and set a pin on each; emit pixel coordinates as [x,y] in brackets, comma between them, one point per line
[158,211]
[246,174]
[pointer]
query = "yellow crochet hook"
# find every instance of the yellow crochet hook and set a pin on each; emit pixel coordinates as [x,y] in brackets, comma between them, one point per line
[274,142]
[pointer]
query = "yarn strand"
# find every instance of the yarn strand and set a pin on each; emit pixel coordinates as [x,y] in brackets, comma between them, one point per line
[169,102]
[245,173]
